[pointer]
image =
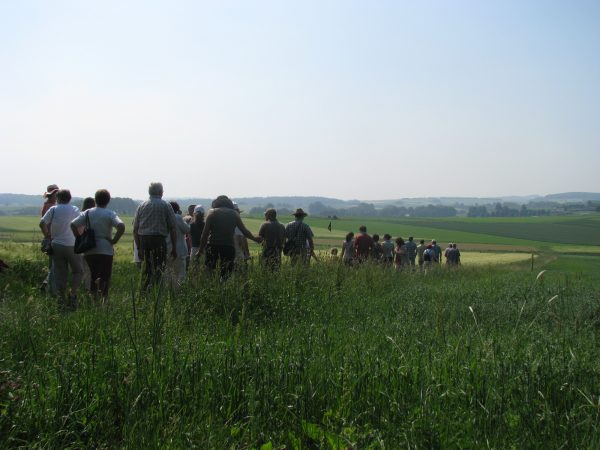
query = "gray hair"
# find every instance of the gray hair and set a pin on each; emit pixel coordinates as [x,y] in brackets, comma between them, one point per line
[155,189]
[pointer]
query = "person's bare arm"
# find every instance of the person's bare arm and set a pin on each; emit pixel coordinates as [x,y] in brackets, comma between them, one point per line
[74,229]
[45,229]
[205,234]
[246,232]
[118,234]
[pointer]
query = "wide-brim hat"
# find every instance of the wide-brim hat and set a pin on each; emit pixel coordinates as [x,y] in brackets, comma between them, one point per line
[300,213]
[50,190]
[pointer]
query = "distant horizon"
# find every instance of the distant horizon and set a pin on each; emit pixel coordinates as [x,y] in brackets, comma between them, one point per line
[183,197]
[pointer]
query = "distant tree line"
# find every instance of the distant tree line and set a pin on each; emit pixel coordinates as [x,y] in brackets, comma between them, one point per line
[282,210]
[534,209]
[369,210]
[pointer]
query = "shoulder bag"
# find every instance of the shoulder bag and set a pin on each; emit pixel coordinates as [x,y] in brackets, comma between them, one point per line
[86,240]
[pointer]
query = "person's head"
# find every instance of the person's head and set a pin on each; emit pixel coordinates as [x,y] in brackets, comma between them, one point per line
[191,209]
[376,238]
[88,203]
[410,238]
[422,241]
[156,189]
[453,245]
[222,201]
[176,208]
[198,213]
[102,197]
[429,246]
[63,196]
[334,251]
[271,214]
[386,237]
[349,236]
[51,191]
[300,214]
[433,242]
[362,229]
[450,245]
[399,241]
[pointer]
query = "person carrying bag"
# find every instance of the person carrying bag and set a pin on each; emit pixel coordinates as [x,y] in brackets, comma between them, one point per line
[86,240]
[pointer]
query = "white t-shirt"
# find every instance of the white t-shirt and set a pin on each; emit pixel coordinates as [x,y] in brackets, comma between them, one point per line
[102,221]
[59,218]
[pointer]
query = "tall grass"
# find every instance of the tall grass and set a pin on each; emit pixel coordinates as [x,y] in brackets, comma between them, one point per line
[326,357]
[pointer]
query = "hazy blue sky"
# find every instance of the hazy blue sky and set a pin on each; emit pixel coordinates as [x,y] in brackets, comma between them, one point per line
[348,99]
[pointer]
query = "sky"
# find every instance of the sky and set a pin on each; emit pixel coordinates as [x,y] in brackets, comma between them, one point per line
[346,99]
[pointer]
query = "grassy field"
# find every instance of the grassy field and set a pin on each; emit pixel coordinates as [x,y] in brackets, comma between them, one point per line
[487,356]
[561,233]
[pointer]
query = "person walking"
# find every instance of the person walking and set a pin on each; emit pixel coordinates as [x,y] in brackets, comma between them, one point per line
[242,252]
[273,234]
[387,247]
[49,202]
[377,249]
[188,218]
[363,245]
[196,228]
[100,258]
[457,254]
[411,249]
[177,267]
[88,203]
[437,251]
[154,220]
[447,252]
[348,249]
[217,236]
[401,255]
[453,255]
[55,225]
[420,251]
[298,237]
[429,261]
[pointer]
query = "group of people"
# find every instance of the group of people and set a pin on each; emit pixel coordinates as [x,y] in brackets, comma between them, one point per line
[166,242]
[61,224]
[398,253]
[220,236]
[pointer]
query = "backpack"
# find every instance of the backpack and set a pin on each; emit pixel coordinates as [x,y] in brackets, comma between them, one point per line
[427,254]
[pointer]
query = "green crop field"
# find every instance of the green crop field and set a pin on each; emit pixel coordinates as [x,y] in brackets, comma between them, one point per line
[489,355]
[578,230]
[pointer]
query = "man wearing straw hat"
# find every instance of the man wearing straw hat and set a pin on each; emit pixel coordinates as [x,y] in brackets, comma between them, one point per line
[298,234]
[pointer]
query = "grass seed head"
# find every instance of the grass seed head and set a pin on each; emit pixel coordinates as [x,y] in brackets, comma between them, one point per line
[540,275]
